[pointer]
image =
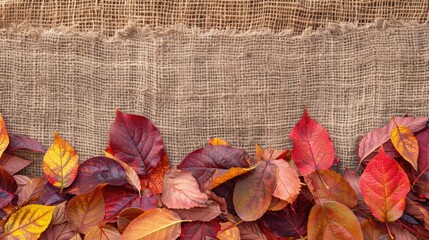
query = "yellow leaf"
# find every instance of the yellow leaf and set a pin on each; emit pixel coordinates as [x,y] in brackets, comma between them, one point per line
[228,231]
[218,141]
[259,153]
[106,232]
[158,223]
[60,163]
[406,144]
[230,174]
[28,222]
[4,137]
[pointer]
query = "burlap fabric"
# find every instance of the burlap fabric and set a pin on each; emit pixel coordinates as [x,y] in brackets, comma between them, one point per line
[107,16]
[247,87]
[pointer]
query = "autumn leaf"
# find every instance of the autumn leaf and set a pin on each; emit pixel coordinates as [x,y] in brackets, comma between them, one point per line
[21,142]
[136,141]
[312,148]
[59,214]
[181,190]
[250,231]
[253,191]
[228,231]
[86,211]
[31,191]
[4,137]
[8,188]
[207,163]
[95,171]
[288,183]
[333,220]
[60,163]
[13,164]
[28,222]
[384,186]
[21,181]
[271,154]
[400,232]
[374,139]
[230,174]
[106,232]
[50,196]
[154,180]
[405,143]
[131,175]
[374,230]
[327,185]
[420,179]
[126,216]
[353,178]
[158,223]
[291,221]
[218,141]
[199,230]
[277,204]
[418,210]
[58,232]
[204,214]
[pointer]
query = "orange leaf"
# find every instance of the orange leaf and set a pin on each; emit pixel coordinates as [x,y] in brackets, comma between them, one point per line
[288,183]
[28,222]
[60,163]
[86,211]
[406,144]
[154,224]
[106,232]
[333,220]
[4,137]
[155,179]
[230,174]
[218,141]
[181,190]
[228,231]
[126,216]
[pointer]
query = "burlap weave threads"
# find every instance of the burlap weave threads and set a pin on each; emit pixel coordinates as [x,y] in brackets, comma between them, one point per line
[246,87]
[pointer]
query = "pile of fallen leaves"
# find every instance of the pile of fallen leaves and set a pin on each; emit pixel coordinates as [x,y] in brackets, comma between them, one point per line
[219,192]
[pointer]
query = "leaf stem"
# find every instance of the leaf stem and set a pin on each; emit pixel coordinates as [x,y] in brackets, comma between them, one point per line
[388,231]
[323,181]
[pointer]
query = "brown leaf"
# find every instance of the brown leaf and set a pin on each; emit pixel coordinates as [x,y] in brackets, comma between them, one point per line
[250,231]
[288,183]
[13,164]
[59,232]
[126,216]
[204,214]
[400,233]
[277,204]
[228,231]
[21,181]
[31,191]
[373,230]
[59,214]
[181,190]
[106,232]
[353,179]
[418,211]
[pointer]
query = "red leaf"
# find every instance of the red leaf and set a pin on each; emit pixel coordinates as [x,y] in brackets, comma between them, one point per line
[384,186]
[21,142]
[181,190]
[8,187]
[13,164]
[312,148]
[378,136]
[95,171]
[207,163]
[291,221]
[199,230]
[420,179]
[253,191]
[154,180]
[136,141]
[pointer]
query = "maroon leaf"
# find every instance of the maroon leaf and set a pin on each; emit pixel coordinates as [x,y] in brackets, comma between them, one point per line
[50,196]
[353,179]
[420,179]
[291,221]
[21,142]
[374,230]
[136,141]
[95,171]
[58,232]
[31,191]
[204,214]
[8,187]
[250,231]
[147,201]
[199,230]
[312,148]
[207,163]
[13,164]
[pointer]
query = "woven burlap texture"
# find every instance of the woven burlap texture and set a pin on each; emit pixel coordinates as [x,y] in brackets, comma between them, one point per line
[107,16]
[246,87]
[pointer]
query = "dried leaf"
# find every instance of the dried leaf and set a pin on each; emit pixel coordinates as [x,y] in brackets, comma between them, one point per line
[230,174]
[400,232]
[59,214]
[312,148]
[327,185]
[333,220]
[21,142]
[218,141]
[31,191]
[136,141]
[374,139]
[250,231]
[204,214]
[406,144]
[4,137]
[8,188]
[60,163]
[106,232]
[28,222]
[95,171]
[199,230]
[353,179]
[154,224]
[76,237]
[420,179]
[277,204]
[13,164]
[21,180]
[384,186]
[181,190]
[253,191]
[288,183]
[155,179]
[86,210]
[58,232]
[50,196]
[126,216]
[207,163]
[228,231]
[418,211]
[271,154]
[131,174]
[374,230]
